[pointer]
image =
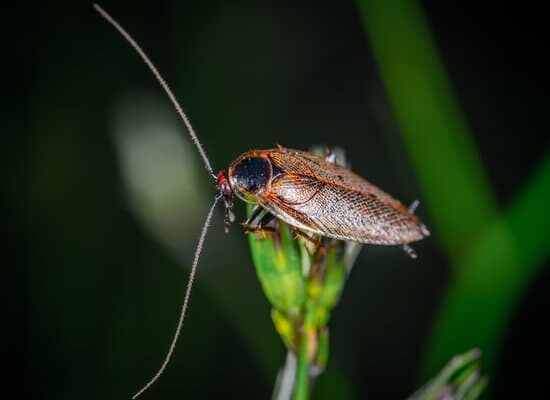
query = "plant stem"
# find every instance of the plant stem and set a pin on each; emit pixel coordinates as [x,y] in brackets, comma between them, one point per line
[285,379]
[301,390]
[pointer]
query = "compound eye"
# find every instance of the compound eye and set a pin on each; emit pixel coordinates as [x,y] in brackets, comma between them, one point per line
[252,173]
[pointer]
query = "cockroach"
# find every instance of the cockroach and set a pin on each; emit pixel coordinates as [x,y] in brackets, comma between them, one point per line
[315,195]
[310,193]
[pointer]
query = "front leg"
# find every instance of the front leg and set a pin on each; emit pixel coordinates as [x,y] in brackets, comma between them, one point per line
[261,226]
[256,211]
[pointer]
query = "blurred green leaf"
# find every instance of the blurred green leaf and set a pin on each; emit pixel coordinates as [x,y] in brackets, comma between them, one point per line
[459,379]
[494,274]
[445,156]
[493,255]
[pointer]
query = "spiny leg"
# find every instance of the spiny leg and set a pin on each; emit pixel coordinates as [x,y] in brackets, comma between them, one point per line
[423,228]
[256,211]
[335,155]
[313,240]
[266,219]
[261,225]
[413,206]
[330,155]
[409,250]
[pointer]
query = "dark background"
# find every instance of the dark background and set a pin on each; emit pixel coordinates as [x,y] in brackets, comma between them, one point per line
[92,292]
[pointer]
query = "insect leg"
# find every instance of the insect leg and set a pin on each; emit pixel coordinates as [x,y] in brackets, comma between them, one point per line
[256,211]
[266,219]
[335,155]
[412,209]
[409,250]
[300,233]
[261,225]
[330,155]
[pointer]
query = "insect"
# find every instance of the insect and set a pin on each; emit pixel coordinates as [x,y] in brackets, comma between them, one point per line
[310,193]
[315,195]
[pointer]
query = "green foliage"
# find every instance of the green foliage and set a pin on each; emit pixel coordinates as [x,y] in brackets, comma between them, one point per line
[303,282]
[494,253]
[302,278]
[460,379]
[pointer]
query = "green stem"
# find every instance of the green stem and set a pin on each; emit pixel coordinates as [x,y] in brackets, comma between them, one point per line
[307,332]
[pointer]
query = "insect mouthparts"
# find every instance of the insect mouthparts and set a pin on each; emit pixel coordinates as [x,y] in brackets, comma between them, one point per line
[227,193]
[223,184]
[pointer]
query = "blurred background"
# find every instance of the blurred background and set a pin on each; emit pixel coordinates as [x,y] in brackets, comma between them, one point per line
[104,194]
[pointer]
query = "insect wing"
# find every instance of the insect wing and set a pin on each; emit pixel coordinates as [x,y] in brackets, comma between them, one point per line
[284,201]
[330,200]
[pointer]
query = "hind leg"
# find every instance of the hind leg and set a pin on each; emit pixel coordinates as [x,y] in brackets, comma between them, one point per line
[409,250]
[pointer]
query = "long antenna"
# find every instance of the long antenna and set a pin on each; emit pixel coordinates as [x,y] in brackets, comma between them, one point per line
[162,82]
[185,300]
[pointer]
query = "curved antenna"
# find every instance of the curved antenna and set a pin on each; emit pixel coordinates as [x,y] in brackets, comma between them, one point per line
[162,82]
[185,300]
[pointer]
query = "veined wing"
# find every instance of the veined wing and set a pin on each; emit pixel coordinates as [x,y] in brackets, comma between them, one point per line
[330,200]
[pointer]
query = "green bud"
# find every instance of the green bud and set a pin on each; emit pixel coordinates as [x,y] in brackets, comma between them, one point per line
[302,276]
[278,261]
